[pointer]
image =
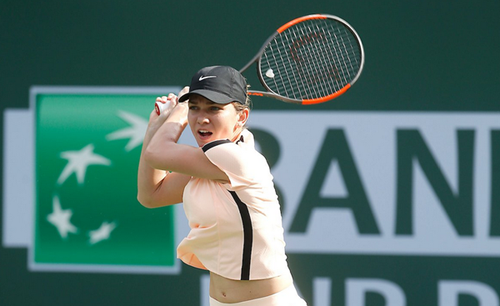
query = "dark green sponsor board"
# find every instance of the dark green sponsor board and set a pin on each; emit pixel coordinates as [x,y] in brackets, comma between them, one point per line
[86,213]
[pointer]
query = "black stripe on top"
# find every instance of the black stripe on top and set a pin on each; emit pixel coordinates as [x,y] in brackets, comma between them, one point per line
[247,236]
[214,143]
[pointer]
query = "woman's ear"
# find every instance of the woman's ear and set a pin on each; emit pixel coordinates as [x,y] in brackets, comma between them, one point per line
[243,117]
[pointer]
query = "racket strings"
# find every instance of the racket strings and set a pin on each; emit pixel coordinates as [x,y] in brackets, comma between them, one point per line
[303,60]
[311,59]
[279,80]
[350,61]
[325,54]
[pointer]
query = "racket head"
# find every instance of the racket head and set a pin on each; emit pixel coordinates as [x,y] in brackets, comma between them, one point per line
[310,60]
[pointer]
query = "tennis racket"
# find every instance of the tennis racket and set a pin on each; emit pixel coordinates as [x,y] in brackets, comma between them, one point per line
[309,60]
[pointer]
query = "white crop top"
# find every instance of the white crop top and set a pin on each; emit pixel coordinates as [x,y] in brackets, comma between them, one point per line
[236,228]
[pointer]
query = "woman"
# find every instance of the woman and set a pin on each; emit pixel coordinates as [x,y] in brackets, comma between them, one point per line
[226,187]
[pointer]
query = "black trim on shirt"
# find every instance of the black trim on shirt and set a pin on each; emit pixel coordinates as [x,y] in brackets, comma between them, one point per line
[214,143]
[247,236]
[240,140]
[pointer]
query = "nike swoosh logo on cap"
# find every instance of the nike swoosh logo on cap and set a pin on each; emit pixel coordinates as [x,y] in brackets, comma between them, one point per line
[206,77]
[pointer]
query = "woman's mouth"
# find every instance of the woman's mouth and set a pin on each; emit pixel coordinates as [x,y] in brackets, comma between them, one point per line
[204,133]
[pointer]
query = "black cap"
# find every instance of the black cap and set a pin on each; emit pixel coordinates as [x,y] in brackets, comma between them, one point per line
[219,84]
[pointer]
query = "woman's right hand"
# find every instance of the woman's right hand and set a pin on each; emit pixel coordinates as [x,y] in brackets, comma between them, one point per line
[178,111]
[167,103]
[163,105]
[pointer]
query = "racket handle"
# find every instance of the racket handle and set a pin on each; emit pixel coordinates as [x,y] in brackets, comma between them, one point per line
[160,107]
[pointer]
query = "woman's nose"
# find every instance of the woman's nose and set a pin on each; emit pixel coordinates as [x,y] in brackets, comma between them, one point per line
[202,120]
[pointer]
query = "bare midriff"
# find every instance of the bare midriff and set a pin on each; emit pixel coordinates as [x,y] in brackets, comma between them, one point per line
[227,290]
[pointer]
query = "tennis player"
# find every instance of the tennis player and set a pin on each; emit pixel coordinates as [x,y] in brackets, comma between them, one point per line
[226,187]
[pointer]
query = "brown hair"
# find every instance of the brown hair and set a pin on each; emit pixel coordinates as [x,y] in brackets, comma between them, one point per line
[240,107]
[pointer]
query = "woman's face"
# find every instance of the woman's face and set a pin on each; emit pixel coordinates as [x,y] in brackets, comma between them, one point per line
[210,121]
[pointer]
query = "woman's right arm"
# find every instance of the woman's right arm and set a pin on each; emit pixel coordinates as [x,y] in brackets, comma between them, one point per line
[157,188]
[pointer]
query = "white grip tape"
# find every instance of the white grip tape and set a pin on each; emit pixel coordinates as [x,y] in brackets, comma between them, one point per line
[160,107]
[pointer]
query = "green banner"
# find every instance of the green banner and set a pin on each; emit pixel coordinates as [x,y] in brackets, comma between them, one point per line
[87,216]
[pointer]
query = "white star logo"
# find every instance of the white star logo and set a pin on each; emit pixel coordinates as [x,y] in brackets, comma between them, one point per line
[102,233]
[78,161]
[135,131]
[60,219]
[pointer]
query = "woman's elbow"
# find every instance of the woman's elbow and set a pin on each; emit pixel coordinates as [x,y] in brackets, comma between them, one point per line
[145,201]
